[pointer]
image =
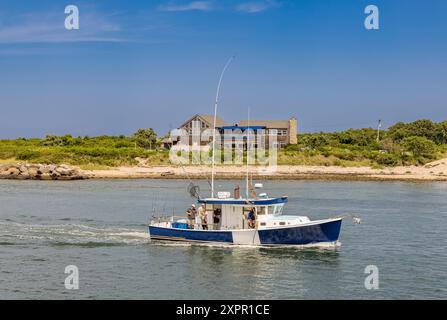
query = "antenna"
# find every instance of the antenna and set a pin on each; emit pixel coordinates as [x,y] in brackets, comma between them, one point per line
[248,146]
[214,125]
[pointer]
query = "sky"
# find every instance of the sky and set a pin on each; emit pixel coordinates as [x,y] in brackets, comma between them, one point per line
[140,64]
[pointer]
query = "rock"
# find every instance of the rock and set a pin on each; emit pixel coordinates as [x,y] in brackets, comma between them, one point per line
[3,174]
[13,171]
[40,172]
[32,171]
[65,171]
[24,174]
[51,168]
[45,176]
[43,169]
[55,175]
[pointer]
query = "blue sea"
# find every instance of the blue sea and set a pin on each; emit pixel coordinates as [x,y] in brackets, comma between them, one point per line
[100,226]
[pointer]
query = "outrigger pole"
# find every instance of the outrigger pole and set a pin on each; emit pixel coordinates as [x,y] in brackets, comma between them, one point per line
[214,125]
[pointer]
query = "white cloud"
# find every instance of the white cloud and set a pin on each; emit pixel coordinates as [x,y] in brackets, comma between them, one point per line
[50,29]
[195,5]
[258,6]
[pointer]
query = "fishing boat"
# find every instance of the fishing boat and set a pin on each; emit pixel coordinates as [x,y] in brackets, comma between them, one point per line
[253,220]
[227,223]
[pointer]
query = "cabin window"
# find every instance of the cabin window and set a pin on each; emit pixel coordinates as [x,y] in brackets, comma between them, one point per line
[271,209]
[276,209]
[260,210]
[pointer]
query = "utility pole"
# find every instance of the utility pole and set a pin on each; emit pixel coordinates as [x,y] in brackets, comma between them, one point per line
[379,125]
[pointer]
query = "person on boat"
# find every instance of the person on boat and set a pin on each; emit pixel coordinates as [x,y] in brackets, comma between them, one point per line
[202,215]
[216,217]
[251,218]
[191,212]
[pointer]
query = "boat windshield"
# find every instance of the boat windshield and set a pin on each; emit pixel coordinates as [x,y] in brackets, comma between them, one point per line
[276,209]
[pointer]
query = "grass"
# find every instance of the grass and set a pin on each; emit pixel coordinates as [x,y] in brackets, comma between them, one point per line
[92,166]
[8,161]
[98,152]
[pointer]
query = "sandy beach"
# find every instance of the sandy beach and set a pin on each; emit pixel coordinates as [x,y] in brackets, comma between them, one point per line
[434,171]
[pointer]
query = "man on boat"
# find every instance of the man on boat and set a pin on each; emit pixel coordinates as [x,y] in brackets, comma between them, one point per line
[251,218]
[202,215]
[216,217]
[191,212]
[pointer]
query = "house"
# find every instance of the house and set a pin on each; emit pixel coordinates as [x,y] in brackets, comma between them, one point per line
[286,130]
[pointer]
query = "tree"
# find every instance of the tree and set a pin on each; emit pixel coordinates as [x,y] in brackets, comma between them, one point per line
[316,141]
[58,141]
[419,146]
[441,133]
[145,138]
[419,128]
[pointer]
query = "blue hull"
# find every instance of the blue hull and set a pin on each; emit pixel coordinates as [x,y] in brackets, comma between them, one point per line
[324,232]
[297,235]
[190,235]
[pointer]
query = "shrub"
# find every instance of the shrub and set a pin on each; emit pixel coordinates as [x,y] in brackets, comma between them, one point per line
[28,155]
[387,159]
[146,138]
[419,146]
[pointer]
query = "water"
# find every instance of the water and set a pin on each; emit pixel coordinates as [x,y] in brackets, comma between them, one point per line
[100,226]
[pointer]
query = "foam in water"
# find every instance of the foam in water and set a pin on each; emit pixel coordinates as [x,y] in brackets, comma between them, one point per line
[69,234]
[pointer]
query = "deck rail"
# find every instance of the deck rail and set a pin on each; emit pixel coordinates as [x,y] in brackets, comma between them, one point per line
[170,218]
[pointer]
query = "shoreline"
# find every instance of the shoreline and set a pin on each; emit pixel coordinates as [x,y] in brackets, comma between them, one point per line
[430,172]
[435,171]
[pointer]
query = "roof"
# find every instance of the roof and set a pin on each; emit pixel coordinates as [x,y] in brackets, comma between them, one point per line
[242,128]
[244,201]
[209,119]
[269,124]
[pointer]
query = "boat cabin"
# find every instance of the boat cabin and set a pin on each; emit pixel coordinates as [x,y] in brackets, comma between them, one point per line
[231,213]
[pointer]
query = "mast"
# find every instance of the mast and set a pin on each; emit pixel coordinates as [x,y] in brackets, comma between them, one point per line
[214,124]
[248,146]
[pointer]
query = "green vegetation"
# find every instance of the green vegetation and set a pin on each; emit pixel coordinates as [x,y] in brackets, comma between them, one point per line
[89,153]
[413,143]
[145,138]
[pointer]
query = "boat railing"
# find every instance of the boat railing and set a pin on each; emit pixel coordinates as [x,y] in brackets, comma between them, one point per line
[170,218]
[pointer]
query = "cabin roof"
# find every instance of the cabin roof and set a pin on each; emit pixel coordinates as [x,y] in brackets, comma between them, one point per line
[244,201]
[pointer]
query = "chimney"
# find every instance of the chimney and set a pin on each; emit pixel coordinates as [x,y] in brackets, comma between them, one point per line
[292,131]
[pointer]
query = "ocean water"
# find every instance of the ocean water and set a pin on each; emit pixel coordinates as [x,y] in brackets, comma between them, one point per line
[100,227]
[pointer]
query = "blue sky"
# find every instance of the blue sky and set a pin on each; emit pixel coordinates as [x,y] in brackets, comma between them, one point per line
[136,64]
